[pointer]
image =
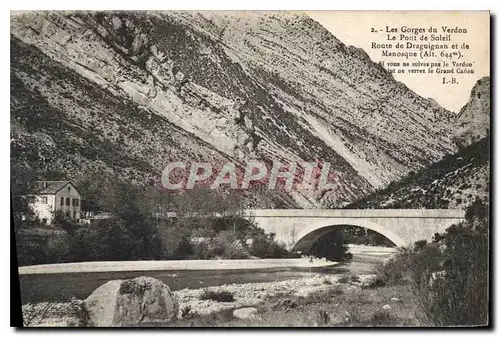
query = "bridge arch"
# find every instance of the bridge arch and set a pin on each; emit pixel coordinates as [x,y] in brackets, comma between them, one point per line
[401,226]
[308,235]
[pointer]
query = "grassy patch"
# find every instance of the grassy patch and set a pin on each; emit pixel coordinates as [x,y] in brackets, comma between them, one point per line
[349,278]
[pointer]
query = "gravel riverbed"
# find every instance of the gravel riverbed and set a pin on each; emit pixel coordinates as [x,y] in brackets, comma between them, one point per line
[252,294]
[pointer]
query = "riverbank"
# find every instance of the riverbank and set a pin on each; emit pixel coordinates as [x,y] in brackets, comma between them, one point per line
[129,266]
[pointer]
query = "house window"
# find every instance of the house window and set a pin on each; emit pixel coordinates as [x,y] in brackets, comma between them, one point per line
[69,189]
[68,214]
[75,202]
[44,200]
[67,201]
[62,201]
[74,214]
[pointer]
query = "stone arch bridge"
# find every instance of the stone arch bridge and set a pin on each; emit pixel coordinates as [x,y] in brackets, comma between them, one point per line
[298,229]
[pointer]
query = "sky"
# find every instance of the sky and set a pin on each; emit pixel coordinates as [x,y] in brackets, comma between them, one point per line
[354,28]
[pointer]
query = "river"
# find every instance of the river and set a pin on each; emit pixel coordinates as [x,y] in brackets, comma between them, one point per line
[64,286]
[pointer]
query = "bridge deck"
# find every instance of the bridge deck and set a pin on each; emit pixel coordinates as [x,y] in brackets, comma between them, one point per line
[356,213]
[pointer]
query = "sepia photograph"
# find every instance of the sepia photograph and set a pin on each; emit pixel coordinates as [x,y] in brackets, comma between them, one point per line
[222,169]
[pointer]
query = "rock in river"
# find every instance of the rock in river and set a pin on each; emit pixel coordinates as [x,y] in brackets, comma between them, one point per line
[245,313]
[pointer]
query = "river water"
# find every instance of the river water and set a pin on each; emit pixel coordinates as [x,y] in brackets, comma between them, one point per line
[62,287]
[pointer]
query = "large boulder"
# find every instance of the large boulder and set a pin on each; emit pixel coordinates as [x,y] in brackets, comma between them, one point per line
[131,302]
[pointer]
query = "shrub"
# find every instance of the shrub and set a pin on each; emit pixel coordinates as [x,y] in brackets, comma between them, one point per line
[348,278]
[336,291]
[331,246]
[460,295]
[30,252]
[264,246]
[202,251]
[219,296]
[321,296]
[109,240]
[375,283]
[188,313]
[63,221]
[327,281]
[382,318]
[344,279]
[174,242]
[409,265]
[227,245]
[323,318]
[354,317]
[58,249]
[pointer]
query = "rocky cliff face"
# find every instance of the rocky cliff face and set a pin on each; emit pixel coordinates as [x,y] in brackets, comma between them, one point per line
[473,121]
[125,93]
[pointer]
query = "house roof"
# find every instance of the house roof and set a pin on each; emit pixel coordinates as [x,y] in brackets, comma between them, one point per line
[50,187]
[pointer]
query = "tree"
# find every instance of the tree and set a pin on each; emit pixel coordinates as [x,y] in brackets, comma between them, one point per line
[22,179]
[29,252]
[477,213]
[127,204]
[331,246]
[21,185]
[171,239]
[109,240]
[63,221]
[265,246]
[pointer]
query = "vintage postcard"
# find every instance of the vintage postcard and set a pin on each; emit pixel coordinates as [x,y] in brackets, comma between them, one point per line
[251,168]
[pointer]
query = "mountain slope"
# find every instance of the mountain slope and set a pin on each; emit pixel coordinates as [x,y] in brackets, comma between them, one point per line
[128,92]
[473,121]
[80,130]
[453,182]
[456,180]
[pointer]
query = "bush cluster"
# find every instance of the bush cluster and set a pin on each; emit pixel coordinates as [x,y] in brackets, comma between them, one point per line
[219,296]
[449,275]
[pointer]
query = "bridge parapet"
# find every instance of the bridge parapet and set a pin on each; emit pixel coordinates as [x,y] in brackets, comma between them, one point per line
[357,213]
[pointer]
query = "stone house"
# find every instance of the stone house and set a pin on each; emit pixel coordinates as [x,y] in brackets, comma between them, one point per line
[52,196]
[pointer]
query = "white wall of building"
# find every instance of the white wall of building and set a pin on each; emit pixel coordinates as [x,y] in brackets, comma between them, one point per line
[67,200]
[70,193]
[43,206]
